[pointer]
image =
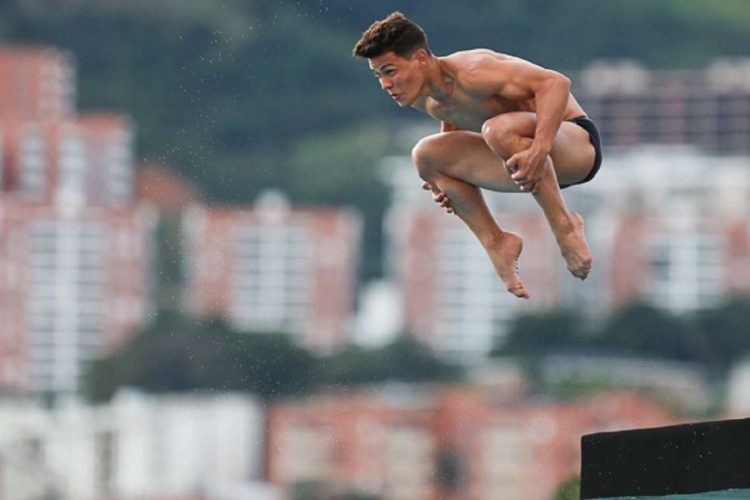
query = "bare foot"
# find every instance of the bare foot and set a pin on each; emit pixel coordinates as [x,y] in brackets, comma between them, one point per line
[504,256]
[574,248]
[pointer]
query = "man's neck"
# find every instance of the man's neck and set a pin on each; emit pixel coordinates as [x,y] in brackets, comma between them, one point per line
[440,80]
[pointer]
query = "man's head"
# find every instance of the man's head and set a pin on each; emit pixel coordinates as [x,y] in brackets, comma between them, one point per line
[398,54]
[395,34]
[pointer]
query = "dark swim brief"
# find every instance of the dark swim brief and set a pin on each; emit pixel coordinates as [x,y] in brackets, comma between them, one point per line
[589,126]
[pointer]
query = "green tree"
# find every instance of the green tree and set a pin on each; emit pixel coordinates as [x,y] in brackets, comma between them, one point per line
[404,359]
[724,333]
[177,354]
[533,335]
[569,490]
[450,469]
[644,330]
[168,261]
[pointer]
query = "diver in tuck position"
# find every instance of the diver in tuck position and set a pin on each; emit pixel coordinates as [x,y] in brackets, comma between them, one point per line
[507,125]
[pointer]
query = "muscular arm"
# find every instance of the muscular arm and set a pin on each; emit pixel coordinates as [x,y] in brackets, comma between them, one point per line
[519,80]
[545,92]
[551,94]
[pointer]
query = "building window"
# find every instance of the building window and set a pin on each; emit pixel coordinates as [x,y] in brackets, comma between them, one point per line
[685,270]
[65,299]
[272,282]
[119,165]
[72,161]
[32,162]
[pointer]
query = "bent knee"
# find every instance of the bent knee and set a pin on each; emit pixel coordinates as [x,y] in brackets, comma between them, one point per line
[427,155]
[498,130]
[427,149]
[499,125]
[504,134]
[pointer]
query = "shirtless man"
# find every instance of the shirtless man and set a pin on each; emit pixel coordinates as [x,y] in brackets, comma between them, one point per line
[507,125]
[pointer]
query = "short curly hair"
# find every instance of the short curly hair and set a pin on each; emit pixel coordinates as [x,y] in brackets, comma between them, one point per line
[395,34]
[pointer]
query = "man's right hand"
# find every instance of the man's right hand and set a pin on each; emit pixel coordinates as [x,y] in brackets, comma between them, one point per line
[439,197]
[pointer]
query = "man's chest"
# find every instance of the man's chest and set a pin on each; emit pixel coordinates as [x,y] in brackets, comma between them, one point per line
[465,112]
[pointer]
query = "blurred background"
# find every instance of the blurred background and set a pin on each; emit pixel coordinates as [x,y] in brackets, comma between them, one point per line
[220,279]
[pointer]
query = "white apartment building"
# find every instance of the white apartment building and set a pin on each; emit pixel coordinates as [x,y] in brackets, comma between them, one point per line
[74,286]
[668,226]
[275,268]
[136,447]
[634,105]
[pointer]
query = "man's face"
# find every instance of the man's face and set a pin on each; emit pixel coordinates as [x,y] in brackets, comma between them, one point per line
[402,78]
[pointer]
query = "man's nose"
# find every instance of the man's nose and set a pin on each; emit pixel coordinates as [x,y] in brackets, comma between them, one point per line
[386,83]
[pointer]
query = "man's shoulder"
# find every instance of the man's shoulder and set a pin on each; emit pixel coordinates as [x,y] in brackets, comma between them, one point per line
[469,62]
[480,69]
[473,55]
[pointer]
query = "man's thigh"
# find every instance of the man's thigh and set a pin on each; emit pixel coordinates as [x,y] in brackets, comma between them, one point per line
[572,153]
[464,155]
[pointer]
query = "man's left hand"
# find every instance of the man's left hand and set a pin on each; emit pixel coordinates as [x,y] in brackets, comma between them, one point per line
[526,169]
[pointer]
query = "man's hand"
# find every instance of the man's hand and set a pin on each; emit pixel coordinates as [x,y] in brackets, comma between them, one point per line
[439,197]
[527,168]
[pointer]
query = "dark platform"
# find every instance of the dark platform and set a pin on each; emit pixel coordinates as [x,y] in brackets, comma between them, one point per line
[684,459]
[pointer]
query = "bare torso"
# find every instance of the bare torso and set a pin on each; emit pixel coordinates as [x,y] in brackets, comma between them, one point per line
[467,107]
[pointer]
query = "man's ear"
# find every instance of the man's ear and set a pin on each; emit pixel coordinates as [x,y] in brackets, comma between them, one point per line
[421,55]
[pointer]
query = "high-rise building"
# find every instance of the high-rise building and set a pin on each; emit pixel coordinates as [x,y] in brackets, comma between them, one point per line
[85,160]
[666,216]
[274,268]
[680,263]
[75,284]
[75,246]
[38,83]
[634,105]
[667,226]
